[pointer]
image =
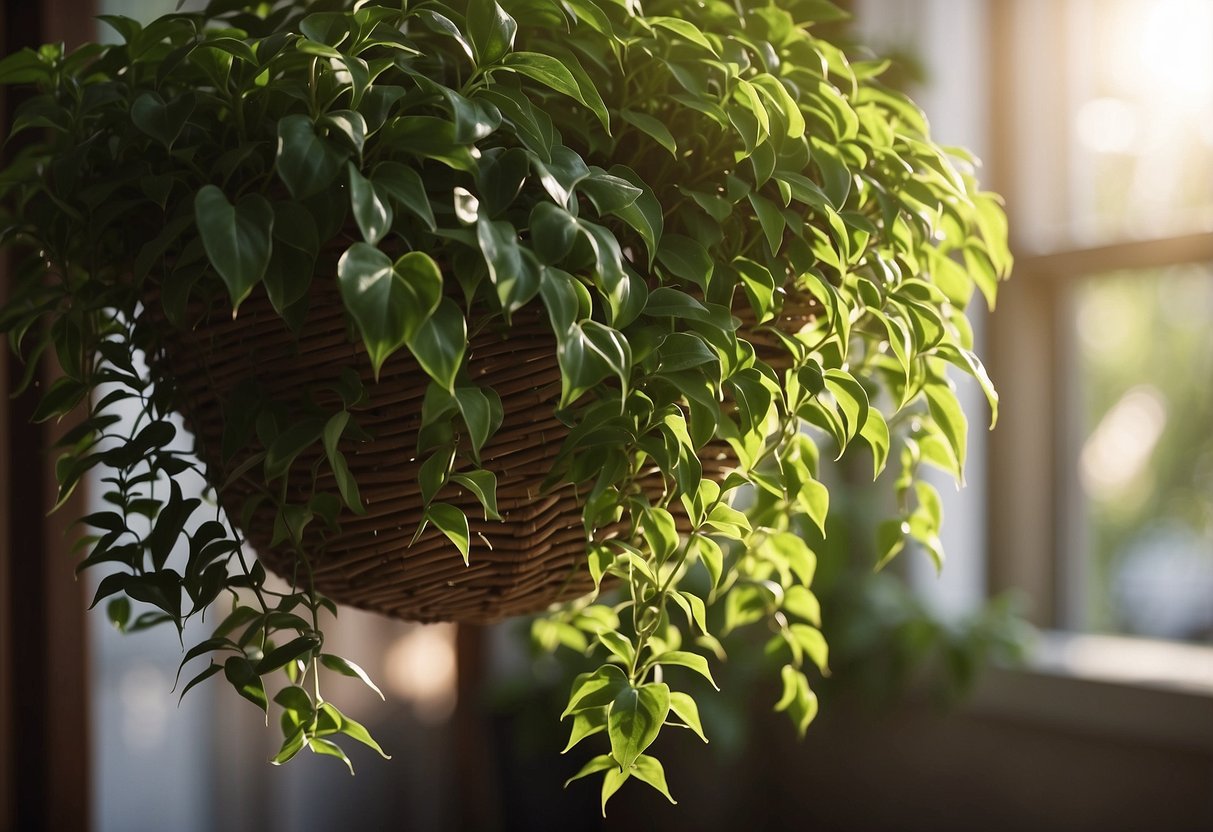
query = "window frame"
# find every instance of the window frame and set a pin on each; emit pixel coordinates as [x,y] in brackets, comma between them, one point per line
[1032,477]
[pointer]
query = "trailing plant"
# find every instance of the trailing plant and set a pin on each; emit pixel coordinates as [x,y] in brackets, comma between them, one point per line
[746,249]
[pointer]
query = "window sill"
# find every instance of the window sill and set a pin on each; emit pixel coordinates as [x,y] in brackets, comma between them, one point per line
[1132,689]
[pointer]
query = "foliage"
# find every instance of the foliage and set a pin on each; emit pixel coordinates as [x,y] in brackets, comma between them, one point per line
[661,181]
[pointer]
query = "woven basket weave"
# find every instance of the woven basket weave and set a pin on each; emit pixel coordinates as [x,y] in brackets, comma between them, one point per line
[531,559]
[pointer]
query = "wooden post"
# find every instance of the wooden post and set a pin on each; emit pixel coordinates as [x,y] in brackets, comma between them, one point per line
[44,736]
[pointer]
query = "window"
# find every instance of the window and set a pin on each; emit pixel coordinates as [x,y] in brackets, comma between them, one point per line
[1102,471]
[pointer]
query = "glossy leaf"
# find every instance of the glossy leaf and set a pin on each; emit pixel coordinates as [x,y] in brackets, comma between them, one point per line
[635,720]
[237,238]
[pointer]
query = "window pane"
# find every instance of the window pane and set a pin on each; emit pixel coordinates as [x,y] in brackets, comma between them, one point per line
[1140,117]
[1144,401]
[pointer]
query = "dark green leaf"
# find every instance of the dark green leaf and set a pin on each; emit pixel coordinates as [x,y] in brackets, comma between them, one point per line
[491,31]
[390,302]
[237,238]
[440,341]
[306,163]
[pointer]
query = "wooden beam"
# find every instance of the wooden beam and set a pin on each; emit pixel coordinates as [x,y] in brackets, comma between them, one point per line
[44,705]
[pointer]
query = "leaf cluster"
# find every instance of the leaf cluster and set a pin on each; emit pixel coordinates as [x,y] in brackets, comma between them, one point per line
[666,186]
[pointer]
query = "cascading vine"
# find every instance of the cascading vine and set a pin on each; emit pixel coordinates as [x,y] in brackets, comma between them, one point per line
[644,262]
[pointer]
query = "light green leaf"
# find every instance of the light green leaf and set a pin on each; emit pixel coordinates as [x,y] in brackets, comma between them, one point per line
[451,522]
[814,645]
[585,724]
[683,705]
[949,420]
[635,720]
[600,763]
[595,690]
[710,555]
[649,769]
[683,658]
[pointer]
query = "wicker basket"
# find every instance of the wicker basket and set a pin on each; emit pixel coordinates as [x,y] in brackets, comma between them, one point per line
[519,565]
[530,559]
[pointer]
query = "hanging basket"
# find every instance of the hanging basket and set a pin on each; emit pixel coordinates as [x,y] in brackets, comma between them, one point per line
[531,558]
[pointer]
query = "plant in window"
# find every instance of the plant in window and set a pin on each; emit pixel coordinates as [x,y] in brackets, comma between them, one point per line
[474,308]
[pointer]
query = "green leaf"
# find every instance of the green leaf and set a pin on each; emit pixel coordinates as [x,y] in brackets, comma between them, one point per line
[813,643]
[683,705]
[890,540]
[650,770]
[798,699]
[484,485]
[876,433]
[686,258]
[118,611]
[291,746]
[771,220]
[595,690]
[652,127]
[305,162]
[328,748]
[241,675]
[618,644]
[511,269]
[161,121]
[644,214]
[348,668]
[709,553]
[296,648]
[237,238]
[346,484]
[491,31]
[608,193]
[611,781]
[852,399]
[372,213]
[635,720]
[553,232]
[612,347]
[684,658]
[451,522]
[684,29]
[481,410]
[552,73]
[404,186]
[585,724]
[432,474]
[353,729]
[600,763]
[389,302]
[440,341]
[682,351]
[949,420]
[296,242]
